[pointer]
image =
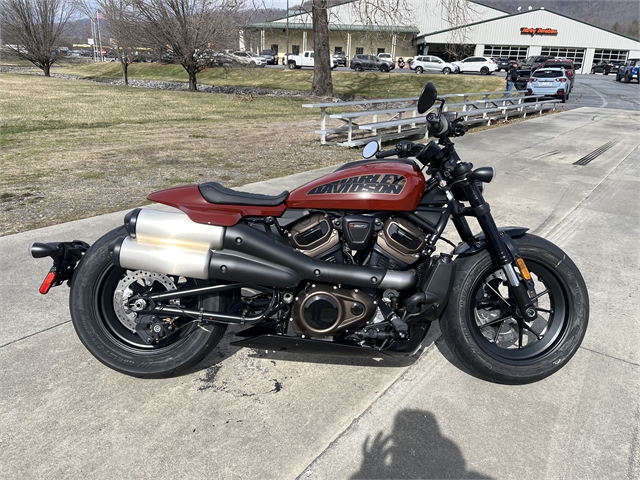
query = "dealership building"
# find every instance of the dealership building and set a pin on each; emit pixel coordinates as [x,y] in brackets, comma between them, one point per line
[429,28]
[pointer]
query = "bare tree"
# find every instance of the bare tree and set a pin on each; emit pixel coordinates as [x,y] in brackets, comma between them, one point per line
[458,13]
[33,28]
[184,29]
[122,29]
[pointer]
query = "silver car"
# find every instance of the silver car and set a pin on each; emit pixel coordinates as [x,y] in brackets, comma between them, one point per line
[426,63]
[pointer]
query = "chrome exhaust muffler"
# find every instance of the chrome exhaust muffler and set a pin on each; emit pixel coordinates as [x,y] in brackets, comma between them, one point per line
[167,242]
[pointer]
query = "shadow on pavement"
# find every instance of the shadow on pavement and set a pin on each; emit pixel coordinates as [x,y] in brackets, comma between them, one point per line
[415,449]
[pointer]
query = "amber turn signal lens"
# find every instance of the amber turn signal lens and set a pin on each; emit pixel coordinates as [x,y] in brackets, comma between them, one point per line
[523,269]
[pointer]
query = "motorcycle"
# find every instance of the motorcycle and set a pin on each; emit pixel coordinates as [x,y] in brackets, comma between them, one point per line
[344,265]
[400,62]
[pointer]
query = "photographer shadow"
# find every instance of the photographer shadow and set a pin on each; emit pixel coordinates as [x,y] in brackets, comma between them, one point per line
[415,449]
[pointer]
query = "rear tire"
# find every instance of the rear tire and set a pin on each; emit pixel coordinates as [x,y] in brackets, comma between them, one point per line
[358,68]
[98,319]
[419,70]
[484,71]
[482,328]
[292,65]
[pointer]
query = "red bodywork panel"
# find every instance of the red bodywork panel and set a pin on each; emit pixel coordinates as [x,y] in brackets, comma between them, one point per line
[375,186]
[190,201]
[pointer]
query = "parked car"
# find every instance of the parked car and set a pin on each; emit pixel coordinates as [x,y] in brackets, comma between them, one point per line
[483,65]
[503,63]
[270,57]
[565,63]
[533,62]
[428,63]
[387,57]
[552,82]
[629,71]
[605,67]
[249,59]
[340,59]
[362,62]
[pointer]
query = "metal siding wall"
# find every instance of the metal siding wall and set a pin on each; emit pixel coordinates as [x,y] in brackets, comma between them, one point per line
[571,33]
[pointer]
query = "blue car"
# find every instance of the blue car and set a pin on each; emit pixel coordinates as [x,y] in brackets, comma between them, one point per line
[552,82]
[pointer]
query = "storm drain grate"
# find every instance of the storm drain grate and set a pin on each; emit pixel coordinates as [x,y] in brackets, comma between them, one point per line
[596,153]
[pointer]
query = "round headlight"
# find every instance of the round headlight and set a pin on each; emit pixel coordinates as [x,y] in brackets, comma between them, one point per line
[484,174]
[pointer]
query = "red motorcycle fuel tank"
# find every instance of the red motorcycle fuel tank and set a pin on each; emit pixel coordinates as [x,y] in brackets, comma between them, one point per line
[372,186]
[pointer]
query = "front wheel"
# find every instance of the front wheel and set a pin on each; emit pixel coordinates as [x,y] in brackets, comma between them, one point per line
[107,327]
[446,70]
[483,328]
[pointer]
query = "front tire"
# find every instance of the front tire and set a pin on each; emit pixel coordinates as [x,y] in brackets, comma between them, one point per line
[105,327]
[482,327]
[446,70]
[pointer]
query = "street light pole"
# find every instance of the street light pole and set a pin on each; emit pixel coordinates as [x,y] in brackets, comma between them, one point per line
[287,50]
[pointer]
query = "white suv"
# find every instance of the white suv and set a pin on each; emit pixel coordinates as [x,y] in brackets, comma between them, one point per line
[432,64]
[483,65]
[250,59]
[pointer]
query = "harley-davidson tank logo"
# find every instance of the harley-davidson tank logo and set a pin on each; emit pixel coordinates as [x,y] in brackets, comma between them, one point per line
[385,184]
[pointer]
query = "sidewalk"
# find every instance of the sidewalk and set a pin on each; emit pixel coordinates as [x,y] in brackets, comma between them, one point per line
[253,414]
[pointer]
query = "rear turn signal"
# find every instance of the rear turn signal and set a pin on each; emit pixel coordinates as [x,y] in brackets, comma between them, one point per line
[48,281]
[523,269]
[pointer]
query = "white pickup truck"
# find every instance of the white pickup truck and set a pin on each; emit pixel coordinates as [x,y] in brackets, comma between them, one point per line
[305,60]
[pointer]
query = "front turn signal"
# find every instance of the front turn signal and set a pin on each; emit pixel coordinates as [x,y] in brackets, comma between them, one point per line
[523,269]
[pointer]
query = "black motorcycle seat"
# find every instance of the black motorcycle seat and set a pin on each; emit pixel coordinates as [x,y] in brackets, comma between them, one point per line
[213,192]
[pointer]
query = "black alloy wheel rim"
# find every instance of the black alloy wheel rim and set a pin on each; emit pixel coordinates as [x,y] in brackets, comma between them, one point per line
[499,329]
[124,338]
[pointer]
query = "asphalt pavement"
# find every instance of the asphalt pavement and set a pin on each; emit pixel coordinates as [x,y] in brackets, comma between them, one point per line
[246,414]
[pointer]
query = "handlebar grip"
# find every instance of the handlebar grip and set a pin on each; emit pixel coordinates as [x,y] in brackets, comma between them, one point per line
[386,153]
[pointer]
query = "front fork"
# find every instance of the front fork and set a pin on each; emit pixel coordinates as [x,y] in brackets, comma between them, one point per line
[503,250]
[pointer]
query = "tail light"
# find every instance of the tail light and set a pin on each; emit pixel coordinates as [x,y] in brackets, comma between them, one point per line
[531,79]
[561,80]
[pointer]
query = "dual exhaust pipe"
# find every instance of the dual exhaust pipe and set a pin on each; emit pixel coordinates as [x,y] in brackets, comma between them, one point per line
[171,243]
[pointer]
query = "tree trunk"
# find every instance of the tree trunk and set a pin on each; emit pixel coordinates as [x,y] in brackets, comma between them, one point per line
[192,70]
[46,68]
[124,63]
[322,85]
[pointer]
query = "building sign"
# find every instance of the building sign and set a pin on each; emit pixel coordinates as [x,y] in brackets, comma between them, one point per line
[538,31]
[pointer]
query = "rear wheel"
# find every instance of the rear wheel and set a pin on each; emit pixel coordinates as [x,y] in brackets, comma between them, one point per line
[107,327]
[483,328]
[627,79]
[292,65]
[419,70]
[484,71]
[358,68]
